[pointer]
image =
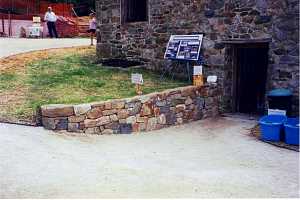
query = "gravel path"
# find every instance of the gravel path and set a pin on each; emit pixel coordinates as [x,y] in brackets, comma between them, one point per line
[12,46]
[210,158]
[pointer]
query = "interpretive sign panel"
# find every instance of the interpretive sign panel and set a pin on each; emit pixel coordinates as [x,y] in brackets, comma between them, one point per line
[184,47]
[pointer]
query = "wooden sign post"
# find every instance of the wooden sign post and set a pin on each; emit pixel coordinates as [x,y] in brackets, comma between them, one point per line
[137,79]
[198,76]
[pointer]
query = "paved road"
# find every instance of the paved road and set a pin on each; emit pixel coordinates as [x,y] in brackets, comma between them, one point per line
[11,46]
[210,158]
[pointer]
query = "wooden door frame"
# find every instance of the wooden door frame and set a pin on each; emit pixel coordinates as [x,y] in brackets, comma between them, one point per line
[236,47]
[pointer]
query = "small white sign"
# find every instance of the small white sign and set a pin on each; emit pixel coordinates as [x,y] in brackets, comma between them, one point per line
[36,19]
[212,79]
[198,70]
[276,112]
[137,79]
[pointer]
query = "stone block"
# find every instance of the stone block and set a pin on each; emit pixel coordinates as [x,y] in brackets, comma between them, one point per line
[151,125]
[156,111]
[140,119]
[134,108]
[162,119]
[94,130]
[180,108]
[105,50]
[74,127]
[62,124]
[188,101]
[146,109]
[114,126]
[82,109]
[108,105]
[90,123]
[98,105]
[179,121]
[81,126]
[114,118]
[109,112]
[135,127]
[125,128]
[118,104]
[48,123]
[177,101]
[123,114]
[103,120]
[53,111]
[165,109]
[197,115]
[190,91]
[76,119]
[171,118]
[200,103]
[131,120]
[108,132]
[179,114]
[122,121]
[161,103]
[95,113]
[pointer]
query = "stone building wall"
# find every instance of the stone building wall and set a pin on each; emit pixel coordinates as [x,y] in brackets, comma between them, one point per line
[276,21]
[142,113]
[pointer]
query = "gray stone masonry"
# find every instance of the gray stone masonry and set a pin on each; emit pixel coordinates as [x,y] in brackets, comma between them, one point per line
[142,113]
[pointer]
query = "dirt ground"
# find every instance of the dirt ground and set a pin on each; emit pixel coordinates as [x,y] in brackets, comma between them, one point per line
[209,158]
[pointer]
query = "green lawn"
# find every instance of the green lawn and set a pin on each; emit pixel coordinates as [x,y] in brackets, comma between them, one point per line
[73,78]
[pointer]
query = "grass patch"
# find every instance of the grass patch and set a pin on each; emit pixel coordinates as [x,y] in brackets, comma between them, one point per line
[73,78]
[7,81]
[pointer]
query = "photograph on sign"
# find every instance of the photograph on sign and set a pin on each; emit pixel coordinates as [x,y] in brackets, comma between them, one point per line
[137,79]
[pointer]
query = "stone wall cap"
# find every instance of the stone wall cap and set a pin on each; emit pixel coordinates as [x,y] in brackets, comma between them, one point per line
[55,106]
[64,110]
[57,110]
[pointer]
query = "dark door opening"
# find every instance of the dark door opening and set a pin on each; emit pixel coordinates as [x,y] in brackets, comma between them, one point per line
[250,78]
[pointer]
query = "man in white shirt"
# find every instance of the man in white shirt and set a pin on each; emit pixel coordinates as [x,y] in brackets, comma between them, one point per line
[51,18]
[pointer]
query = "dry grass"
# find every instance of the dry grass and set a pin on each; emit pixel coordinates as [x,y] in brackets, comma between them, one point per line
[68,75]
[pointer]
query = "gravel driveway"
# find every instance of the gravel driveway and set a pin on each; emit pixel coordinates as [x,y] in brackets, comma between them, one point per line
[12,46]
[210,158]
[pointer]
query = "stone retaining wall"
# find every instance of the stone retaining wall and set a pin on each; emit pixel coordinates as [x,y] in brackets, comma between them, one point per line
[141,113]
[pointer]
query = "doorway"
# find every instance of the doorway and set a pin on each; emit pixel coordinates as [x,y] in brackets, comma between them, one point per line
[250,77]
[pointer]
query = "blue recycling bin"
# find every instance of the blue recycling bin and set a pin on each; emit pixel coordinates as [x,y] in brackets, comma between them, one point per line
[291,129]
[271,126]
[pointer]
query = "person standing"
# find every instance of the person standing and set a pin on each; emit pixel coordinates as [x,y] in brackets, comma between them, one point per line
[51,19]
[92,27]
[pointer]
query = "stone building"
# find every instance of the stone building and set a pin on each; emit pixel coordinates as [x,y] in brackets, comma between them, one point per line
[252,45]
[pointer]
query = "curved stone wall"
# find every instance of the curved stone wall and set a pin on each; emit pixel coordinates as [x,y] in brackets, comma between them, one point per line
[142,113]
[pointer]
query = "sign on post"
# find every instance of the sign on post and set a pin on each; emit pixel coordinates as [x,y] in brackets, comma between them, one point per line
[197,76]
[36,19]
[184,47]
[198,70]
[138,80]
